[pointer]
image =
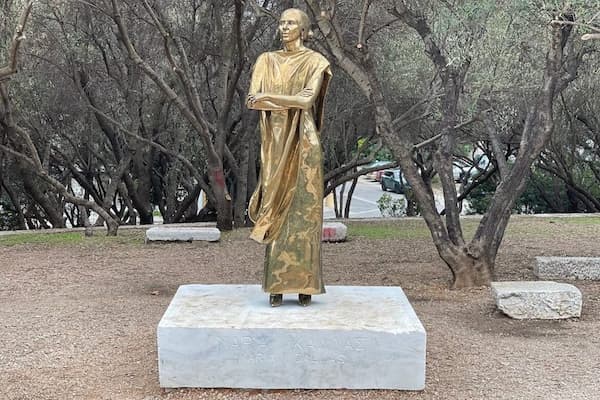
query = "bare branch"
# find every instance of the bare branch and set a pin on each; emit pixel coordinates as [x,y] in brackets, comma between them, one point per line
[111,221]
[185,75]
[591,36]
[427,142]
[361,27]
[94,6]
[261,10]
[587,36]
[496,145]
[199,124]
[381,27]
[438,136]
[355,174]
[177,155]
[413,108]
[573,23]
[419,23]
[32,149]
[13,54]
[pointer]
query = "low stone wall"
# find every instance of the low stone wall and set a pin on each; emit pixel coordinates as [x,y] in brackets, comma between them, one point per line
[567,268]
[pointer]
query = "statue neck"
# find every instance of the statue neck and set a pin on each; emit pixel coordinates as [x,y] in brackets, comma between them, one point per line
[293,46]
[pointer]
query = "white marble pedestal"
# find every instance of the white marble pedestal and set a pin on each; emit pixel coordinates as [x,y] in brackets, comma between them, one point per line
[352,337]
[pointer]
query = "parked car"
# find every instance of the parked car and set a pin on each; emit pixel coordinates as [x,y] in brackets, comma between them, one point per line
[393,180]
[462,169]
[376,174]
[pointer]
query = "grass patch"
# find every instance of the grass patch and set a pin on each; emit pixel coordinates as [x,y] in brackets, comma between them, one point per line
[518,227]
[130,236]
[44,238]
[525,226]
[402,228]
[588,220]
[388,231]
[412,228]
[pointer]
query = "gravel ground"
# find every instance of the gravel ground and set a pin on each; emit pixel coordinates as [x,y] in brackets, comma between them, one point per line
[78,321]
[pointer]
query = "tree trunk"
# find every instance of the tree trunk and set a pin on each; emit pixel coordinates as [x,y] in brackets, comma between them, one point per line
[241,189]
[52,210]
[349,198]
[468,271]
[143,207]
[339,204]
[222,198]
[85,221]
[253,162]
[188,207]
[22,224]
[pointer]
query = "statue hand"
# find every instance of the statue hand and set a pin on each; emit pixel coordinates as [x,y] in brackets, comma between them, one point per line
[306,93]
[253,98]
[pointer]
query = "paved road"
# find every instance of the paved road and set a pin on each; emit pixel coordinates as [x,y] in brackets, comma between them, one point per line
[364,200]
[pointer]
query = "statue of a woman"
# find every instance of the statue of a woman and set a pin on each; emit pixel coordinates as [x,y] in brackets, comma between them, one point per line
[288,87]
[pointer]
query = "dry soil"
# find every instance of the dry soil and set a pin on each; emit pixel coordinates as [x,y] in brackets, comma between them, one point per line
[78,320]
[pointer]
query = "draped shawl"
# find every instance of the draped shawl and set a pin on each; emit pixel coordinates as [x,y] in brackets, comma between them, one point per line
[287,206]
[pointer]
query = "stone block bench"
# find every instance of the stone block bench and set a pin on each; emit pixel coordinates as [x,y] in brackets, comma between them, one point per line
[182,234]
[334,232]
[567,268]
[537,299]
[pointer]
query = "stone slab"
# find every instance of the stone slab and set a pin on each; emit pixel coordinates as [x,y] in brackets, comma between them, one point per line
[537,299]
[334,232]
[182,234]
[352,337]
[567,268]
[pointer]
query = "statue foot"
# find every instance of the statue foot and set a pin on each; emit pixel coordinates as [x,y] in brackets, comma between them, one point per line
[275,299]
[304,299]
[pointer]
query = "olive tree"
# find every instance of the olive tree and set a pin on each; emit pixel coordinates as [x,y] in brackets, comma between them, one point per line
[471,261]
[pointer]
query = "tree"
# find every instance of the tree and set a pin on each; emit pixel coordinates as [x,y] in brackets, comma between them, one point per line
[573,154]
[212,119]
[17,140]
[471,262]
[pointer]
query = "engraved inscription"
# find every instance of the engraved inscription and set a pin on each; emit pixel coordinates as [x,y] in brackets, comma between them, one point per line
[245,348]
[324,352]
[259,349]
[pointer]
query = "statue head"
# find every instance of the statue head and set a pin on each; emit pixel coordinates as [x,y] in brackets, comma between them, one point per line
[294,24]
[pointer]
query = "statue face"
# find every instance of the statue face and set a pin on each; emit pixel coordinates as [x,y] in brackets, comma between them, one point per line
[290,26]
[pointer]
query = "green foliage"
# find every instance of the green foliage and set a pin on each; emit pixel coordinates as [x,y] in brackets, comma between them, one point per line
[390,207]
[480,197]
[383,154]
[532,201]
[541,195]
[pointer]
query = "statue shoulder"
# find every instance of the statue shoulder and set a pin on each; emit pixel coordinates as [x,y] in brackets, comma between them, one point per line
[319,58]
[263,57]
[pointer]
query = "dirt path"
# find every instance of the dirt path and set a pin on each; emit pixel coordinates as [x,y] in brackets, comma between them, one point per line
[78,320]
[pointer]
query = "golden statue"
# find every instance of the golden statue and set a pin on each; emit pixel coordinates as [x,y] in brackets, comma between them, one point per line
[288,87]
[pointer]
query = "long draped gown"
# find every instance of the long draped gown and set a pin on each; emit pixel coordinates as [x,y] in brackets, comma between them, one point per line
[287,206]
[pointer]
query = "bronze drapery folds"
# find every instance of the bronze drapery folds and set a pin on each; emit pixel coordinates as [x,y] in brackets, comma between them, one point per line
[288,87]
